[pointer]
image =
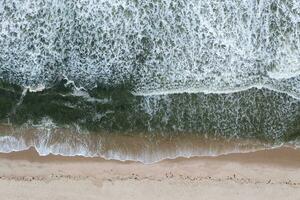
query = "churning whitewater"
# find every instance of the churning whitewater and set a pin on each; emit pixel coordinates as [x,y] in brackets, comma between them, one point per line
[153,71]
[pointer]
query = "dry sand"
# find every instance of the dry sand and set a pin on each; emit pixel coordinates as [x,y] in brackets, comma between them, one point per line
[272,174]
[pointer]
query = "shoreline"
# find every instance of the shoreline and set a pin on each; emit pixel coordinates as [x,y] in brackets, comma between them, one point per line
[266,174]
[278,156]
[136,148]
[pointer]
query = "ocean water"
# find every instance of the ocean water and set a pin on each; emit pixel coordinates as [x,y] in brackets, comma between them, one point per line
[149,80]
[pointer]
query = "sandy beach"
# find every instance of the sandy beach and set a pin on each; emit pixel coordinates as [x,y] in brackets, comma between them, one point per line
[270,174]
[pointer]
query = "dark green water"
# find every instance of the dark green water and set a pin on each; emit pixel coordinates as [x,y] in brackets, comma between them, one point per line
[254,113]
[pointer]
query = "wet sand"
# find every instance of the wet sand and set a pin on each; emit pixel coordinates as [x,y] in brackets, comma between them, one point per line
[269,174]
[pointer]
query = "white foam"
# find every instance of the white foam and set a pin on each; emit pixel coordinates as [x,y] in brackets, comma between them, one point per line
[212,91]
[284,75]
[10,144]
[162,45]
[38,88]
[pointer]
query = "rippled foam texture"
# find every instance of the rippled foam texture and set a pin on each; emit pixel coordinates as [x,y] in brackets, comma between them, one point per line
[159,45]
